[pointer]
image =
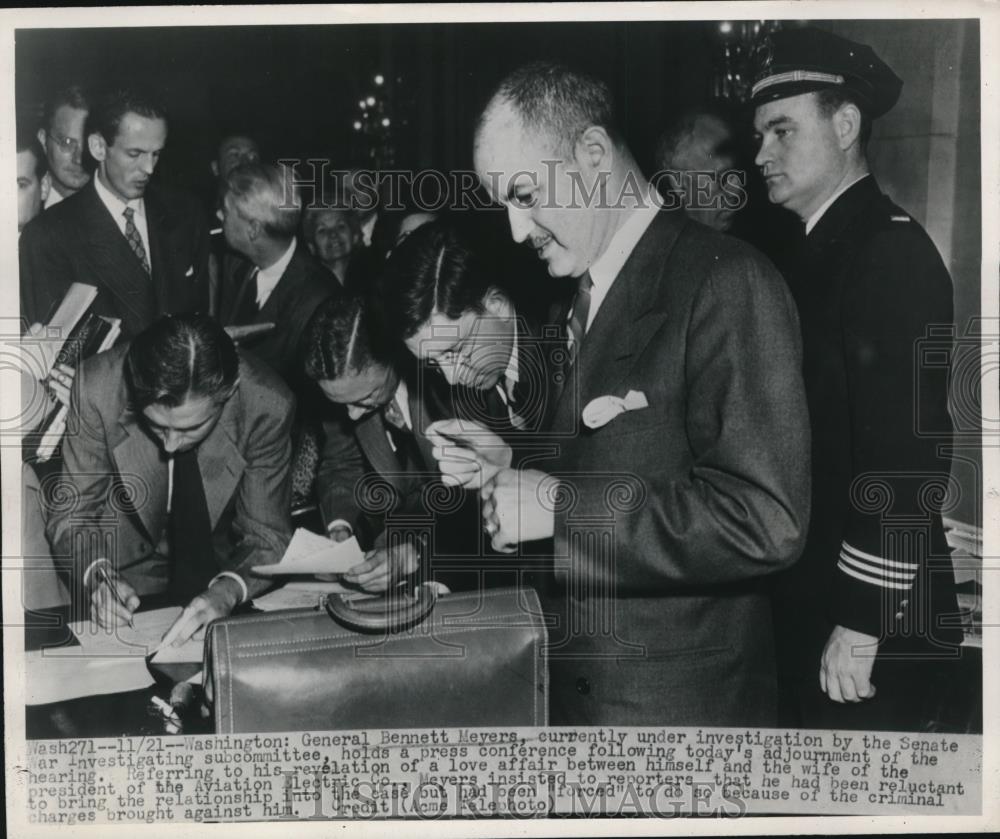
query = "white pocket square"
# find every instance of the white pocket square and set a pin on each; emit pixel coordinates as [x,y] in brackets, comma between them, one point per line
[190,271]
[603,409]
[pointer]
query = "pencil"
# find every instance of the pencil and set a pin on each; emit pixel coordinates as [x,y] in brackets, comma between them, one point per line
[114,590]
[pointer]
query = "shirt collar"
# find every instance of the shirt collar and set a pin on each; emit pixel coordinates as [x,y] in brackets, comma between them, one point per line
[402,397]
[815,217]
[114,204]
[607,266]
[267,278]
[511,375]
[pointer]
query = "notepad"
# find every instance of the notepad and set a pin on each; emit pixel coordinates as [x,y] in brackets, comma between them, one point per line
[310,553]
[123,640]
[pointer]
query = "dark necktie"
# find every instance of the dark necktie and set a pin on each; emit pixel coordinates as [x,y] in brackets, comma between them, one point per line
[577,323]
[403,440]
[192,556]
[134,239]
[246,306]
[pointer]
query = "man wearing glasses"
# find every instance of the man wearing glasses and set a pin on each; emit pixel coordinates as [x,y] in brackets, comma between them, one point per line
[61,135]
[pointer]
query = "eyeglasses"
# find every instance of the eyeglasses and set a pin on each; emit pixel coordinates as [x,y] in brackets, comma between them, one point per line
[67,145]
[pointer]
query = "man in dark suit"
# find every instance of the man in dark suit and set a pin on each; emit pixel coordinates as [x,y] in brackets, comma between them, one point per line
[178,466]
[145,247]
[376,465]
[867,605]
[681,478]
[276,281]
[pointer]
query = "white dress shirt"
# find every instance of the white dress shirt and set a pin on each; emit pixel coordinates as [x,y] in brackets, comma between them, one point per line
[117,209]
[268,278]
[52,198]
[608,265]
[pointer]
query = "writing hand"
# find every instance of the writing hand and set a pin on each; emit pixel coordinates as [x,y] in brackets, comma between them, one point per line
[112,600]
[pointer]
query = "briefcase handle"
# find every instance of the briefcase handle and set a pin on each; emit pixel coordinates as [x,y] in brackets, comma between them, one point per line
[392,612]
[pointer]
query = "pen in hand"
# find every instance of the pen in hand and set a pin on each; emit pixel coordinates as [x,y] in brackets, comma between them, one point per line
[114,590]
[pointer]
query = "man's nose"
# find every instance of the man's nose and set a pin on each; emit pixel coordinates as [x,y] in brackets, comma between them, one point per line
[520,221]
[77,154]
[763,154]
[148,164]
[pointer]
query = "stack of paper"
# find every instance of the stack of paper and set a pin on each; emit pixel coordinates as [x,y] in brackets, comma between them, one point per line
[310,553]
[107,660]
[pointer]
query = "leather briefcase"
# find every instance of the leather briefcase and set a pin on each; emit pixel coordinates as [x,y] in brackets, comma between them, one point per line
[469,659]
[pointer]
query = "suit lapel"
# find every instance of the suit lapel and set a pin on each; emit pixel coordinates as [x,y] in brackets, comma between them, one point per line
[420,422]
[284,288]
[137,455]
[628,318]
[374,442]
[220,460]
[114,263]
[159,227]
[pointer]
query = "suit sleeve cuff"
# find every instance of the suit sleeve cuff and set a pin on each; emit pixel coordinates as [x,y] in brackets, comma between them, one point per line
[245,595]
[94,564]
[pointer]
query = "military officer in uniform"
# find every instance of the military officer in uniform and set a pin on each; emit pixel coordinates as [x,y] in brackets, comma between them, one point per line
[862,619]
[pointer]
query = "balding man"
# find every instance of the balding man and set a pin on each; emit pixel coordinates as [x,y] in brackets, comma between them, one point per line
[681,478]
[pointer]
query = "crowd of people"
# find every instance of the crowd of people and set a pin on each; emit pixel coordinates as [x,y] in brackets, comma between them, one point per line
[706,466]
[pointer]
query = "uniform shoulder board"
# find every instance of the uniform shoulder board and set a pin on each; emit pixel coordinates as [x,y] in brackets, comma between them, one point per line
[899,218]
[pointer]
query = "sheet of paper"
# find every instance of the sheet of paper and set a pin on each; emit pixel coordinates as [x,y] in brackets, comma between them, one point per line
[191,651]
[52,678]
[310,553]
[297,596]
[124,640]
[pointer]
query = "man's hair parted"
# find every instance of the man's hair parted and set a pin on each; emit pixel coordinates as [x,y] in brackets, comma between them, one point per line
[340,338]
[180,357]
[557,102]
[435,269]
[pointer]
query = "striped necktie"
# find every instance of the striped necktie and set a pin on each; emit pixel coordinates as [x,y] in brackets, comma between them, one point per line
[577,323]
[134,239]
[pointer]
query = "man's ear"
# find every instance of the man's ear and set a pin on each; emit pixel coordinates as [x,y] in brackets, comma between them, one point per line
[231,391]
[497,303]
[46,186]
[214,166]
[98,146]
[594,149]
[41,138]
[847,122]
[254,230]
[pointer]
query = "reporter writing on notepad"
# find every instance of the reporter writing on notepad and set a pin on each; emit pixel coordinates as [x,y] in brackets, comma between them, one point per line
[177,465]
